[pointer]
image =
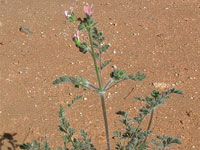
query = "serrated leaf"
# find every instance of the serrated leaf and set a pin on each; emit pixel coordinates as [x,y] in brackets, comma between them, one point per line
[105,64]
[62,80]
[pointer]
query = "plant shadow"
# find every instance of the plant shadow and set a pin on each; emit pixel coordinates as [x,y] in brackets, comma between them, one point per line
[8,142]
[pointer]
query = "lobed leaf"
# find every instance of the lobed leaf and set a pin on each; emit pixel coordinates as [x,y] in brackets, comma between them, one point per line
[105,64]
[63,79]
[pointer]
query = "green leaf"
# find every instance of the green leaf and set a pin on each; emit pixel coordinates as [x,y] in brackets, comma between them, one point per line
[81,26]
[137,77]
[174,91]
[80,82]
[105,64]
[26,146]
[36,145]
[105,47]
[46,146]
[117,75]
[62,80]
[61,113]
[95,45]
[140,99]
[76,98]
[83,47]
[117,134]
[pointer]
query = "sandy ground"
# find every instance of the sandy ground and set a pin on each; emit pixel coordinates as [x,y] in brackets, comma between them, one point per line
[158,38]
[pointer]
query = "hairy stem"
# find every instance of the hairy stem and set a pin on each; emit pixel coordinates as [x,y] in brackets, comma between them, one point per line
[95,62]
[114,84]
[101,92]
[105,119]
[149,125]
[107,84]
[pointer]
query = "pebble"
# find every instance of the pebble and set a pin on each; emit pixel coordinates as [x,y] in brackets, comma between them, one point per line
[161,85]
[1,24]
[25,30]
[85,98]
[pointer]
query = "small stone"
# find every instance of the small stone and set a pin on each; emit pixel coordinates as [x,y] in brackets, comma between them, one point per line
[161,85]
[70,94]
[173,85]
[25,30]
[85,98]
[114,52]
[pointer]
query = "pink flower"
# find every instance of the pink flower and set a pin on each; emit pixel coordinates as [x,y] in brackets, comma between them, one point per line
[76,35]
[68,14]
[88,9]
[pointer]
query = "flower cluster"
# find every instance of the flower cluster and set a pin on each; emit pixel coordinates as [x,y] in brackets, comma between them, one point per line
[86,23]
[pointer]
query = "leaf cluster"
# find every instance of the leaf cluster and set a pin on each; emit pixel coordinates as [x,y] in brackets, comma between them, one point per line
[118,75]
[153,102]
[134,137]
[83,143]
[165,142]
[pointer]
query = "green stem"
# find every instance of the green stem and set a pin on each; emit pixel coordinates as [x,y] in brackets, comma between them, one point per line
[103,105]
[149,125]
[95,62]
[101,92]
[150,121]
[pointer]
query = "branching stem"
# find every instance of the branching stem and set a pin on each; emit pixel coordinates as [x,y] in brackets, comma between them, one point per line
[101,92]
